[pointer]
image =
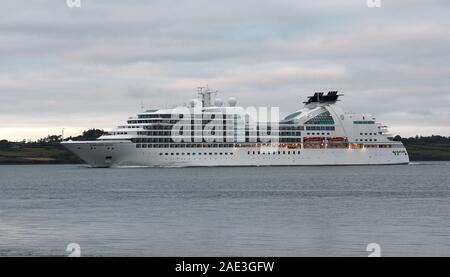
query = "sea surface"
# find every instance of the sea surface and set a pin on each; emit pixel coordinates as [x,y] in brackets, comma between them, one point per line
[246,211]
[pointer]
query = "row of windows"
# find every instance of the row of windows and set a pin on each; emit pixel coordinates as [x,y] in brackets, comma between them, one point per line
[173,121]
[155,133]
[158,127]
[269,128]
[230,153]
[364,122]
[155,116]
[281,126]
[371,146]
[290,146]
[318,134]
[247,140]
[173,145]
[358,146]
[273,153]
[290,134]
[289,140]
[320,128]
[151,121]
[186,121]
[165,116]
[197,153]
[212,145]
[291,128]
[129,127]
[166,140]
[213,132]
[385,146]
[369,134]
[366,140]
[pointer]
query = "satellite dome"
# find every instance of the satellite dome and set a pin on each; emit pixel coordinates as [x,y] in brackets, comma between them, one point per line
[232,101]
[218,102]
[193,103]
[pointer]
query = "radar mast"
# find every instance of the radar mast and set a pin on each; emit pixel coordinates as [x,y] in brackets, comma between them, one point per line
[205,95]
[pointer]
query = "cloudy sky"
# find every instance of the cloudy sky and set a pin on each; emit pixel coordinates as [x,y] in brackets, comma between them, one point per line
[79,68]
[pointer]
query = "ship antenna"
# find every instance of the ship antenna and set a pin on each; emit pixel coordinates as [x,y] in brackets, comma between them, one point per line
[205,95]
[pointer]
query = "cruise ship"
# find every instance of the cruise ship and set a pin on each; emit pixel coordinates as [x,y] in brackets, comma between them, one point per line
[206,132]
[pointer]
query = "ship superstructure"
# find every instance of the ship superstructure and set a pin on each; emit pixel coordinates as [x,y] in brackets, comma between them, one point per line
[208,133]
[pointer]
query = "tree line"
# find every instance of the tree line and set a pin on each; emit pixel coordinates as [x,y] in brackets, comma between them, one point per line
[420,140]
[50,140]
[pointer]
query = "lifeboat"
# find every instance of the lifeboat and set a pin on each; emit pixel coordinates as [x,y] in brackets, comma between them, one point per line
[336,139]
[314,139]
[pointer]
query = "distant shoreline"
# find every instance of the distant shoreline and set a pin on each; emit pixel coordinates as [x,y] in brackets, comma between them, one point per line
[59,156]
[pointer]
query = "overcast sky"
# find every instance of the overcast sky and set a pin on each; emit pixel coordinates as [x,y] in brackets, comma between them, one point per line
[79,68]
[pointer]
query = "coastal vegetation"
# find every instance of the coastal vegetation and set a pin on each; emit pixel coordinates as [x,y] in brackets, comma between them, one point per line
[433,148]
[48,150]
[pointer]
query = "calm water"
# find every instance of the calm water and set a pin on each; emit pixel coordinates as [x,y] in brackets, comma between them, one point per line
[283,211]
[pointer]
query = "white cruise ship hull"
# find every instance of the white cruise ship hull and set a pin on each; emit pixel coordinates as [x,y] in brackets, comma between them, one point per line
[125,153]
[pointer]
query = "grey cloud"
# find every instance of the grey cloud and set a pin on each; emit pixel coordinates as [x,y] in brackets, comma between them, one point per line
[66,67]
